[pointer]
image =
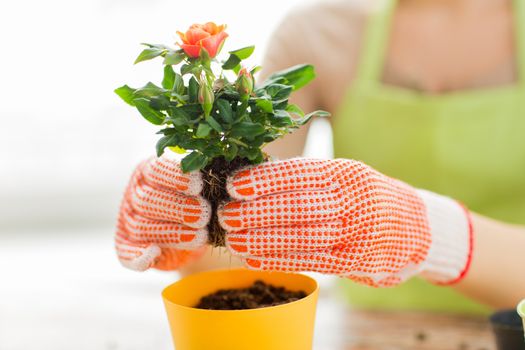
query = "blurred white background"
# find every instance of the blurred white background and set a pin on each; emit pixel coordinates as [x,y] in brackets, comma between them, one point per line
[67,148]
[67,143]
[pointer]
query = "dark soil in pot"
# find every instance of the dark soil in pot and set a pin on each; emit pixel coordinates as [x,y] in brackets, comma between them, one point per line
[258,295]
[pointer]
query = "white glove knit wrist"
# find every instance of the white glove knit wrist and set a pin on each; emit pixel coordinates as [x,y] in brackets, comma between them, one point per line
[450,253]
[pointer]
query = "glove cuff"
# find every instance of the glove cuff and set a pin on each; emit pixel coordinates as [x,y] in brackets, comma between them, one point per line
[450,253]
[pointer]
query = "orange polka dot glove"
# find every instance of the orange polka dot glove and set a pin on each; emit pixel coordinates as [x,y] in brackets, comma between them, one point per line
[342,217]
[162,220]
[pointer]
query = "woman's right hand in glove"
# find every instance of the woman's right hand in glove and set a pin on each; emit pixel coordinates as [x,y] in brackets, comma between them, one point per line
[162,220]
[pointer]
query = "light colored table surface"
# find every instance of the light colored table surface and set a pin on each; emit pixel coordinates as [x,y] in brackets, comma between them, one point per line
[65,290]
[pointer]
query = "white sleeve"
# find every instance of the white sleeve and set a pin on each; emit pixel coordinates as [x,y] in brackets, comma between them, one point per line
[452,239]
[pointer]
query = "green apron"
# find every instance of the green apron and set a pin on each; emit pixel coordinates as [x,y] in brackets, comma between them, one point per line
[469,145]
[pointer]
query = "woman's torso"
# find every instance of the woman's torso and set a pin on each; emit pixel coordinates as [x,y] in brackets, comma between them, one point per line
[476,50]
[463,138]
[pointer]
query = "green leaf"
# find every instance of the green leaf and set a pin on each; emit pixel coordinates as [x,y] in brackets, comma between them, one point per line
[253,153]
[281,104]
[177,149]
[271,137]
[150,114]
[231,62]
[259,158]
[257,141]
[179,98]
[193,90]
[247,129]
[282,118]
[194,109]
[126,93]
[178,116]
[231,151]
[160,103]
[166,131]
[255,70]
[178,84]
[173,57]
[321,114]
[185,68]
[295,109]
[190,68]
[231,95]
[169,78]
[194,161]
[164,142]
[193,143]
[213,123]
[238,142]
[265,105]
[149,90]
[281,113]
[182,115]
[279,92]
[297,76]
[237,68]
[225,110]
[243,53]
[157,46]
[149,53]
[203,130]
[213,150]
[307,117]
[204,57]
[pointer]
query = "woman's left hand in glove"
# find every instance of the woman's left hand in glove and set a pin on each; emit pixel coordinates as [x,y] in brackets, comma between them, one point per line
[343,217]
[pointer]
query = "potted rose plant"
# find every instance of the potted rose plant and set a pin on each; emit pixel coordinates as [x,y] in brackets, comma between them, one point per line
[214,113]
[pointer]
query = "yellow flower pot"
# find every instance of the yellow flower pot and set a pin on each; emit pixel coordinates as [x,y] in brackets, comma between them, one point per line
[287,327]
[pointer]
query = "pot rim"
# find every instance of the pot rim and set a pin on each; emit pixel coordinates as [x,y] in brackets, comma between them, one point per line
[310,295]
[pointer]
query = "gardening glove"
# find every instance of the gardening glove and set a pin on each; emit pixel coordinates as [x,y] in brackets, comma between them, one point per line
[342,217]
[162,220]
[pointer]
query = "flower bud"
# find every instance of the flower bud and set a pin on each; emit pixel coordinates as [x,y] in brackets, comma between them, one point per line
[244,83]
[206,96]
